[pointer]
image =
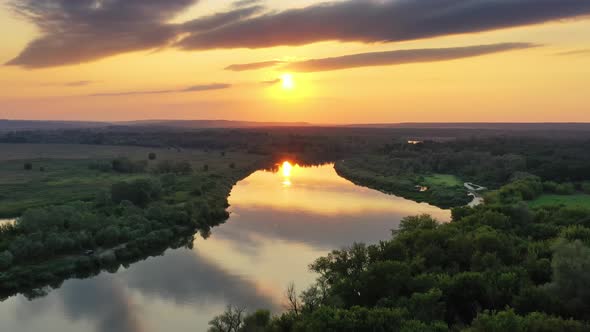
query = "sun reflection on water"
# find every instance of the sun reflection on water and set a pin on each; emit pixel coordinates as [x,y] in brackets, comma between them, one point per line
[286,169]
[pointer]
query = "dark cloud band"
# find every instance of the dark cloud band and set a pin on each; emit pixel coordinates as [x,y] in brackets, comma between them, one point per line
[253,66]
[401,57]
[195,88]
[77,31]
[383,21]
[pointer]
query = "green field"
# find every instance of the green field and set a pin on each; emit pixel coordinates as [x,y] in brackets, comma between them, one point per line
[578,200]
[66,176]
[447,180]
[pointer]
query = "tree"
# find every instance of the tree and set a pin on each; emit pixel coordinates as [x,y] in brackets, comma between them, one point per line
[293,304]
[205,168]
[139,192]
[125,165]
[571,277]
[230,321]
[6,259]
[257,321]
[28,166]
[152,156]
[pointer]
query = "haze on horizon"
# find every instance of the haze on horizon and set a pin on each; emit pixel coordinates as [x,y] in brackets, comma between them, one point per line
[363,61]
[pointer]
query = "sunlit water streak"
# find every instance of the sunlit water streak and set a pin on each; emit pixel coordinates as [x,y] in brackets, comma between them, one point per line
[7,221]
[274,232]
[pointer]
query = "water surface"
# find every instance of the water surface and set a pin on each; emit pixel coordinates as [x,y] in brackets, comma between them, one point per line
[280,222]
[7,221]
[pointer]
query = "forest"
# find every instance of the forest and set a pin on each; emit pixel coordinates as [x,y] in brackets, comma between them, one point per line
[519,262]
[138,208]
[497,267]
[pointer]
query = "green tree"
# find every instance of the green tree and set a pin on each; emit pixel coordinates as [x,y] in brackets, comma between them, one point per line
[231,320]
[571,277]
[6,259]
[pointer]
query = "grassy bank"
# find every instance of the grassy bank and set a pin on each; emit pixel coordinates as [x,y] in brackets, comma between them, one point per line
[443,190]
[577,200]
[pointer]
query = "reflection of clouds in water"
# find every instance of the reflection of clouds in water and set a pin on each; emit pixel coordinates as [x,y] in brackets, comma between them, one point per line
[319,231]
[181,276]
[186,278]
[103,301]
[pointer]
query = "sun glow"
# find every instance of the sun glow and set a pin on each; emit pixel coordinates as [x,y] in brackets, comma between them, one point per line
[286,168]
[288,82]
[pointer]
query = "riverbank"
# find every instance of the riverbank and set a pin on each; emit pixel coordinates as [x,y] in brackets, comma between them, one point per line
[141,215]
[443,194]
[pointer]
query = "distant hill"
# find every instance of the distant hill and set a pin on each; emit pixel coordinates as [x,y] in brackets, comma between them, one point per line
[211,124]
[481,125]
[12,125]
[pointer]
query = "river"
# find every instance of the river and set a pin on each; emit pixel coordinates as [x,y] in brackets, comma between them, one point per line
[7,221]
[280,222]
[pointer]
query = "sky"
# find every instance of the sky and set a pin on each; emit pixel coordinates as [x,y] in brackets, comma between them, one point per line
[348,61]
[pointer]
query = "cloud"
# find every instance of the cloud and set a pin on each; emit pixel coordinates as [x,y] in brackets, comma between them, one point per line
[401,57]
[218,20]
[575,52]
[383,21]
[75,31]
[73,84]
[253,65]
[78,31]
[244,3]
[271,82]
[78,83]
[195,88]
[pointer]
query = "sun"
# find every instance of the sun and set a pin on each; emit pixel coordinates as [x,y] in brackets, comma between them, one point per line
[287,167]
[288,82]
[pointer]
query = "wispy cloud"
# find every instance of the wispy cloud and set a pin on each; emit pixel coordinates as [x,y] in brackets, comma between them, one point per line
[271,82]
[575,52]
[73,84]
[244,3]
[253,65]
[195,88]
[218,20]
[401,57]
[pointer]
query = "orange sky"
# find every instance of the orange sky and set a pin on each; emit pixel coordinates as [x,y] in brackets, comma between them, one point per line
[545,77]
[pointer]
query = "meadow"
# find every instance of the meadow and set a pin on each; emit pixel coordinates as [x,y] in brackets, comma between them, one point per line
[576,200]
[61,173]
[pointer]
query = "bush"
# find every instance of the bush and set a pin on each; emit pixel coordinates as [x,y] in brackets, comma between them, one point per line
[565,188]
[152,156]
[28,166]
[125,165]
[139,192]
[181,167]
[6,259]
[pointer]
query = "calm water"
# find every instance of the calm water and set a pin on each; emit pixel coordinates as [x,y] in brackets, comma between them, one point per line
[280,222]
[7,221]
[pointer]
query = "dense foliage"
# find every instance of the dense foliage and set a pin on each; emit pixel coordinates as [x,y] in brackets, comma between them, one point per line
[493,268]
[134,219]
